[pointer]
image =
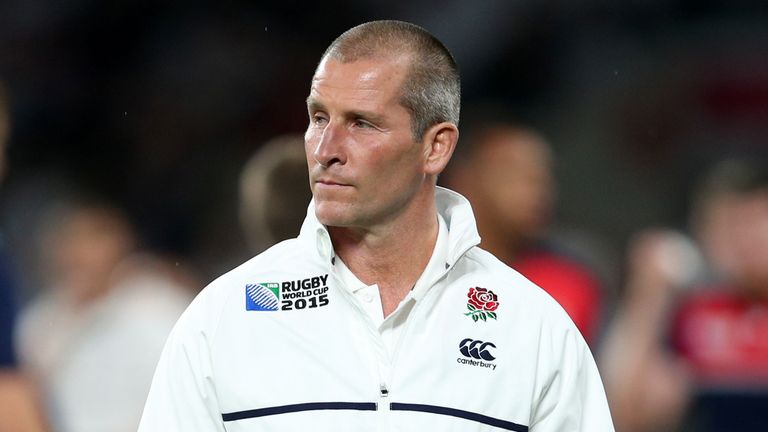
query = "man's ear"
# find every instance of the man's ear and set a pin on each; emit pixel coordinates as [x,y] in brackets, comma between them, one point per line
[439,142]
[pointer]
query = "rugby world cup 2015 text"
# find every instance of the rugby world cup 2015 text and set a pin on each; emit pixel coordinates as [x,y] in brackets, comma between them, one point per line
[304,293]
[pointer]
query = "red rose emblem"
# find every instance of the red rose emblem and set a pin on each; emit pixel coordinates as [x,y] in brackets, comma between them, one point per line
[483,299]
[482,303]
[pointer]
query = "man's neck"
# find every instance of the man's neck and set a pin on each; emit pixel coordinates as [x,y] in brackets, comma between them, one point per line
[392,256]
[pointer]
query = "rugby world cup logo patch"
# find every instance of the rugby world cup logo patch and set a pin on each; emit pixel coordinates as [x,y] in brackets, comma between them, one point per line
[297,294]
[262,296]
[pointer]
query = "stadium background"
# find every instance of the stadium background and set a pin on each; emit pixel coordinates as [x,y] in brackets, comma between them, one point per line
[158,104]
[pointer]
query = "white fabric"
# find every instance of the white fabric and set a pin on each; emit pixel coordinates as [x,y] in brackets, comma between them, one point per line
[367,295]
[328,368]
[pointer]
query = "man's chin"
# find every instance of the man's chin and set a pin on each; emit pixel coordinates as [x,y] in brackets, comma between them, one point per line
[331,214]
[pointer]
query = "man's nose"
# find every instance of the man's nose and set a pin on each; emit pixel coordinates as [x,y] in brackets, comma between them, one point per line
[330,148]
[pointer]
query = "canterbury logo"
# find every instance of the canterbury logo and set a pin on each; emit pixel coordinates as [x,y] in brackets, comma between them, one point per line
[476,349]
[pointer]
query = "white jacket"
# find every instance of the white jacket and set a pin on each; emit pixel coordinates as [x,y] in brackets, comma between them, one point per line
[278,344]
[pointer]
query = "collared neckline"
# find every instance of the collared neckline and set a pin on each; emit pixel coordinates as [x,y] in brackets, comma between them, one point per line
[435,267]
[437,264]
[370,296]
[453,210]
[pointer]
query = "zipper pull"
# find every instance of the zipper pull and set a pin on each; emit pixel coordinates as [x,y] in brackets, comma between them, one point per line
[383,392]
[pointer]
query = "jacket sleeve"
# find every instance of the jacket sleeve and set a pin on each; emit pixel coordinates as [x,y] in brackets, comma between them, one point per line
[183,395]
[572,397]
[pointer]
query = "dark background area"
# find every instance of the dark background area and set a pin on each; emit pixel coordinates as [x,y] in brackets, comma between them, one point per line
[157,104]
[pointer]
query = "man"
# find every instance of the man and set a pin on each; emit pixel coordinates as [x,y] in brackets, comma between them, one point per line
[383,314]
[506,171]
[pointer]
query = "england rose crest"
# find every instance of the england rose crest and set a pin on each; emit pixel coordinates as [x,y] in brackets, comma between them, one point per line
[482,304]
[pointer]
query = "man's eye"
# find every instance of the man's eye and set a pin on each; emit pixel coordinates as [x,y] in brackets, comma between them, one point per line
[318,119]
[360,123]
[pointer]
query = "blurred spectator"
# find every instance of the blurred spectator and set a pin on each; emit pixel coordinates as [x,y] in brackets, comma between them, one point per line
[7,297]
[92,337]
[5,128]
[19,411]
[505,171]
[274,192]
[697,359]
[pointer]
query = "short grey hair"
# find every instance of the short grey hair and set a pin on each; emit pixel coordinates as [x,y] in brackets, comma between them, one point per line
[431,90]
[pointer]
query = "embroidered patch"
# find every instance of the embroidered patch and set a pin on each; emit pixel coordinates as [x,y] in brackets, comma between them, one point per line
[482,304]
[308,293]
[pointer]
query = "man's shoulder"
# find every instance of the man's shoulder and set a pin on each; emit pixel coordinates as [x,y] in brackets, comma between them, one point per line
[286,254]
[480,267]
[286,258]
[479,263]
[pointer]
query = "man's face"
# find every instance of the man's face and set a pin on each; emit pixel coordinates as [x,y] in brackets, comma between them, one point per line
[364,166]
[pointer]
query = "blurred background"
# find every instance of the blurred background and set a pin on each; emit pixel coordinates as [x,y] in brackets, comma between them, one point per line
[151,109]
[158,104]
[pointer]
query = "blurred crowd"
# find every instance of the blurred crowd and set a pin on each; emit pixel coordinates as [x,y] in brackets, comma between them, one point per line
[682,341]
[667,283]
[78,354]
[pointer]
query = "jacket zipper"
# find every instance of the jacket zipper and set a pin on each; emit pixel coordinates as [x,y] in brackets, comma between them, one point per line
[383,407]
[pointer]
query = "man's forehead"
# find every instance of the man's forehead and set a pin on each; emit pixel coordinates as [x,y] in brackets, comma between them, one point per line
[361,79]
[369,70]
